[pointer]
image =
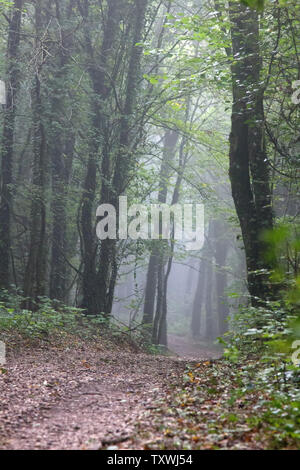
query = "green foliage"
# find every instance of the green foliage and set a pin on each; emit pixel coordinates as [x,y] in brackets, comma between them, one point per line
[257,4]
[6,3]
[49,319]
[263,342]
[260,346]
[283,417]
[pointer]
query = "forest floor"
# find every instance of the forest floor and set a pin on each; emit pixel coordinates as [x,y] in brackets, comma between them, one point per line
[82,395]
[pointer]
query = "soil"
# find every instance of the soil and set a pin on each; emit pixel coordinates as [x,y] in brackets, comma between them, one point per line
[84,396]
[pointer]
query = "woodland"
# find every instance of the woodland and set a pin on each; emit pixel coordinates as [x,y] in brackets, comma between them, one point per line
[141,343]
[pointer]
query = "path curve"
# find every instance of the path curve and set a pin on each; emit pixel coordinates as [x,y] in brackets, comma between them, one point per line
[83,398]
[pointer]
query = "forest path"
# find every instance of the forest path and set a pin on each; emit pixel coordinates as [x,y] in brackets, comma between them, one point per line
[82,398]
[191,349]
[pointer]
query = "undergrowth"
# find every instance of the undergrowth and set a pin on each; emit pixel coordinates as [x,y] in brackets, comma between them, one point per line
[262,351]
[52,320]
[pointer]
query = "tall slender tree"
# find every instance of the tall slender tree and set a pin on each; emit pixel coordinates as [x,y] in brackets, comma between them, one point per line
[157,258]
[61,148]
[35,274]
[125,158]
[7,147]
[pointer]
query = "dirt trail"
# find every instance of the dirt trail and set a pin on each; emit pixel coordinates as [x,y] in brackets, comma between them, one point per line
[83,398]
[190,349]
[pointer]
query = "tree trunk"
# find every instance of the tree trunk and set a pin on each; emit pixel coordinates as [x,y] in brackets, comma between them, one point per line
[248,166]
[94,292]
[12,88]
[199,297]
[157,261]
[151,282]
[124,160]
[63,142]
[209,320]
[61,169]
[221,250]
[34,283]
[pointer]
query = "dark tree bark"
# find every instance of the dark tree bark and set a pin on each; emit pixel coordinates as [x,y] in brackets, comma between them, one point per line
[34,282]
[93,293]
[88,243]
[61,172]
[62,152]
[125,156]
[7,152]
[248,164]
